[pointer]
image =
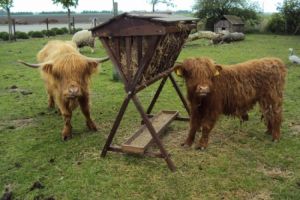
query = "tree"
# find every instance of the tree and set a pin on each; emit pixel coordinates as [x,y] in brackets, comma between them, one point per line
[290,11]
[67,4]
[6,5]
[213,10]
[155,2]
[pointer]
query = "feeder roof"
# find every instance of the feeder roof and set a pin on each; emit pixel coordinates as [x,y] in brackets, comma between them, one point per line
[130,24]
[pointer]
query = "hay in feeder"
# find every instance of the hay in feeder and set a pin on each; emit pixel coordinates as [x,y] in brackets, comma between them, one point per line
[165,54]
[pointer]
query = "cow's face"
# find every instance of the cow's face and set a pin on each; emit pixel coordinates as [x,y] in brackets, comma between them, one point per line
[198,74]
[71,80]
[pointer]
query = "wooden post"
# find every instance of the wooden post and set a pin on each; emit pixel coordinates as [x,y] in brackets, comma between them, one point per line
[14,29]
[47,25]
[115,75]
[73,22]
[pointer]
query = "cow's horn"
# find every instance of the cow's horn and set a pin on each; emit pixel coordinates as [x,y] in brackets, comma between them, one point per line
[99,60]
[29,64]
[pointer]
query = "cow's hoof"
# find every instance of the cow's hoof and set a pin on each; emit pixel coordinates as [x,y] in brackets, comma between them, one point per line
[268,132]
[186,144]
[66,137]
[91,126]
[275,140]
[198,147]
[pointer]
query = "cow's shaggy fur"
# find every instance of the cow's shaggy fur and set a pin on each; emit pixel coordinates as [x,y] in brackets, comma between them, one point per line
[67,74]
[232,90]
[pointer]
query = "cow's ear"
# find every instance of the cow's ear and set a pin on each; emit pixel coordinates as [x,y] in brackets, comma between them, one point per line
[178,70]
[219,68]
[92,66]
[47,68]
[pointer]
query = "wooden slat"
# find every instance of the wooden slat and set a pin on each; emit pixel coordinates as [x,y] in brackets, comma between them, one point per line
[139,142]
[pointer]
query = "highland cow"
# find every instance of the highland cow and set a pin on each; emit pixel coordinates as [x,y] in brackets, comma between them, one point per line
[67,74]
[213,90]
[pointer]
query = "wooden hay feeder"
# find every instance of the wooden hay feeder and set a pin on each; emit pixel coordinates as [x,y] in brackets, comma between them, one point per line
[143,48]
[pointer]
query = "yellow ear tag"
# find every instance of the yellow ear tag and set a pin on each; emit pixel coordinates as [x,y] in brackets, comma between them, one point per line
[217,73]
[178,72]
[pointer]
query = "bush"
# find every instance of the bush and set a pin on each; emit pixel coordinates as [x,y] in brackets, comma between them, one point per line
[64,30]
[37,34]
[4,36]
[30,33]
[21,35]
[59,32]
[54,29]
[276,24]
[49,33]
[76,30]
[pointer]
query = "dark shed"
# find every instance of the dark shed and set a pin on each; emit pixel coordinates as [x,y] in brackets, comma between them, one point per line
[229,23]
[144,48]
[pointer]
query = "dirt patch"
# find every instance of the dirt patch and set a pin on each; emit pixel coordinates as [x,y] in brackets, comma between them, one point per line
[295,129]
[262,195]
[14,89]
[275,173]
[16,124]
[242,194]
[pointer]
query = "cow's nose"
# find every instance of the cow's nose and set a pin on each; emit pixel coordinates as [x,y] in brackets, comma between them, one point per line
[73,90]
[202,90]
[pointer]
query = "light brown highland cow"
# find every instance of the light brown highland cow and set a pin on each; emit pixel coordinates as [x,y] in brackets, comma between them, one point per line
[233,90]
[67,74]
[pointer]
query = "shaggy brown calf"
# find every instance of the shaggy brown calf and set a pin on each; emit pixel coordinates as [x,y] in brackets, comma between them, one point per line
[232,90]
[67,74]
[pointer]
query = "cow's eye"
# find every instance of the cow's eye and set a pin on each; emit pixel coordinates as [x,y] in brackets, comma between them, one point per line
[57,76]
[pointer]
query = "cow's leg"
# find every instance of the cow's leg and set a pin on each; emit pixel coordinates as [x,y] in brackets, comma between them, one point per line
[51,103]
[266,115]
[84,106]
[194,126]
[207,126]
[67,130]
[272,111]
[275,122]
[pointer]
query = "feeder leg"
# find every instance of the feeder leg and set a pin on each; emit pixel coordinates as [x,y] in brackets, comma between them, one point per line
[115,126]
[153,133]
[159,89]
[179,93]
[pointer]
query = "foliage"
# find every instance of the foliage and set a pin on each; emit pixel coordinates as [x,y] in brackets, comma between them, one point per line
[36,34]
[96,11]
[54,12]
[155,2]
[66,3]
[4,36]
[5,4]
[276,24]
[291,13]
[22,13]
[212,11]
[21,35]
[287,20]
[76,30]
[64,30]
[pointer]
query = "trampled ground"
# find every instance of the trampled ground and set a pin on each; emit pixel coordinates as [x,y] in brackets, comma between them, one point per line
[241,162]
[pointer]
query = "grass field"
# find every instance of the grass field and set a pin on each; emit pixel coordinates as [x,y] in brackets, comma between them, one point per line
[241,161]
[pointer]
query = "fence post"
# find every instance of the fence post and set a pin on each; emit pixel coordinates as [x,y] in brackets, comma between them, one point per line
[47,24]
[14,29]
[116,76]
[73,22]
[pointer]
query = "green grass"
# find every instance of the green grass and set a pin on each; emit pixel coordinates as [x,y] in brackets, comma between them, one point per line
[241,162]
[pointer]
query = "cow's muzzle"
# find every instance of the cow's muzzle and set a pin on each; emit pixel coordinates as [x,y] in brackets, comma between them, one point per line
[73,92]
[202,90]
